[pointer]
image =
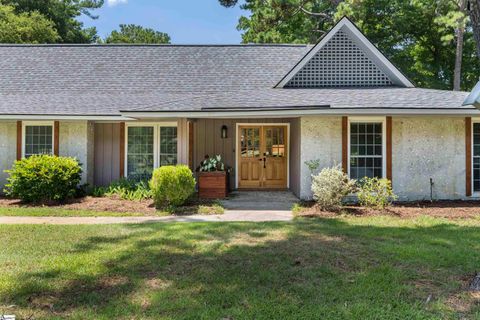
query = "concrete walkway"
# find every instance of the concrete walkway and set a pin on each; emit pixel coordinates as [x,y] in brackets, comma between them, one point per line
[247,206]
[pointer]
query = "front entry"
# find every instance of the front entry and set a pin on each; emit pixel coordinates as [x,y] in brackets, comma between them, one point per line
[262,160]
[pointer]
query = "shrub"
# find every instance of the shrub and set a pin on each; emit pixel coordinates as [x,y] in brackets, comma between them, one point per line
[330,187]
[375,193]
[125,188]
[43,178]
[172,185]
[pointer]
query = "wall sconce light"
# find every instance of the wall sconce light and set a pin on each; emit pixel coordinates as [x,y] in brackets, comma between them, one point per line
[223,133]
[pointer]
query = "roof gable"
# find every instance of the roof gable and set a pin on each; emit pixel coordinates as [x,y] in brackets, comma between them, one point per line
[344,58]
[474,97]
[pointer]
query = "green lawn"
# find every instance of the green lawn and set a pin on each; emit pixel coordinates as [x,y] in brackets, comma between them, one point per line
[343,268]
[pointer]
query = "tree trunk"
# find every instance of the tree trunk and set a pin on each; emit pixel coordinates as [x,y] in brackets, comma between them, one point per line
[475,19]
[457,73]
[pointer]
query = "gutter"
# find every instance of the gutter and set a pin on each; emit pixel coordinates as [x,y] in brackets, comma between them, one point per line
[298,113]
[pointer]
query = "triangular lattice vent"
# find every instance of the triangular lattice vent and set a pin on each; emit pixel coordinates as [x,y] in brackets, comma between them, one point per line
[339,63]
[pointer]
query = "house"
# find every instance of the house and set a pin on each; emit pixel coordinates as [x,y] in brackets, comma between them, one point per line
[123,110]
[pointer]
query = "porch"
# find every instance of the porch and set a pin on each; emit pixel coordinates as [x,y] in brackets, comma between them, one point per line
[262,154]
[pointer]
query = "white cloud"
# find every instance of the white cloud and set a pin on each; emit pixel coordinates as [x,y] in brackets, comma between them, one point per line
[112,3]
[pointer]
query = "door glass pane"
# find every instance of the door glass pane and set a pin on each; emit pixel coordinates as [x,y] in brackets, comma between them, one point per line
[38,140]
[140,152]
[276,147]
[168,146]
[250,142]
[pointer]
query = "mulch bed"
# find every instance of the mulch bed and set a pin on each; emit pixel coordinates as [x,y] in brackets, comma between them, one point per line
[442,209]
[109,204]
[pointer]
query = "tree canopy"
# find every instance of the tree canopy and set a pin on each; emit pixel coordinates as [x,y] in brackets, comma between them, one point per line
[131,33]
[419,36]
[63,14]
[27,27]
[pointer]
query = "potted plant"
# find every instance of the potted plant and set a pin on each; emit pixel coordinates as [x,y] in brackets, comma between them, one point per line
[212,178]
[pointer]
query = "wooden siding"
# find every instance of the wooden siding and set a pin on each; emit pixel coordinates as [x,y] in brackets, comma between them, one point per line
[106,153]
[182,141]
[207,140]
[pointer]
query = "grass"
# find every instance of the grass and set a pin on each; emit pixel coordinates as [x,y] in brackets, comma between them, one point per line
[343,268]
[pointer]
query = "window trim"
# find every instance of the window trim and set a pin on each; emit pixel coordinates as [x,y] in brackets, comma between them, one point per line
[37,123]
[156,140]
[383,121]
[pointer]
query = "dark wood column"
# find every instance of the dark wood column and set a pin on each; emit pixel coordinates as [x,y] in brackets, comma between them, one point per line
[56,137]
[389,148]
[468,156]
[19,140]
[345,144]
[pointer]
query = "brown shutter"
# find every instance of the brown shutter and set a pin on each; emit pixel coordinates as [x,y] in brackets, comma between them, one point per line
[389,148]
[19,140]
[190,144]
[468,156]
[122,149]
[56,137]
[345,144]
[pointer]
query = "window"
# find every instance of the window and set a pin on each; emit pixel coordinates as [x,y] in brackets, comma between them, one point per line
[148,147]
[366,150]
[38,139]
[140,152]
[168,146]
[476,157]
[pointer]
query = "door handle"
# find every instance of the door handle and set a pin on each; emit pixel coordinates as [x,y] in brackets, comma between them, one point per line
[264,162]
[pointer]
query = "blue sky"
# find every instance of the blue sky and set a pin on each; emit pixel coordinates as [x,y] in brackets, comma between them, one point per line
[186,21]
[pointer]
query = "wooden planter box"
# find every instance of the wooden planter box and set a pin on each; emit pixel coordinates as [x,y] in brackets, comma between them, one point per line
[212,185]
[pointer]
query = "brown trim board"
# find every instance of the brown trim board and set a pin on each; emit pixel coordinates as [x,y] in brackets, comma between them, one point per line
[345,144]
[468,156]
[389,148]
[19,140]
[56,137]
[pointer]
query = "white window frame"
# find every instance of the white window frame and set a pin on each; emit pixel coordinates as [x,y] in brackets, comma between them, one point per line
[156,140]
[383,121]
[36,123]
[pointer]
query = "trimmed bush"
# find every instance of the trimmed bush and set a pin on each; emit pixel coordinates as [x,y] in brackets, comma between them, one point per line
[44,178]
[330,187]
[172,185]
[375,193]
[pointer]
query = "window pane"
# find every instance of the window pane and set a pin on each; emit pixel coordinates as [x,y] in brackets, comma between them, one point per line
[140,154]
[38,140]
[366,150]
[168,146]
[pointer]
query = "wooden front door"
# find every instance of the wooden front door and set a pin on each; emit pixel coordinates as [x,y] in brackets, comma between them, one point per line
[262,160]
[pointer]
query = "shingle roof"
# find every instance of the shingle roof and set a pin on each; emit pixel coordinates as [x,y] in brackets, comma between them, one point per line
[107,79]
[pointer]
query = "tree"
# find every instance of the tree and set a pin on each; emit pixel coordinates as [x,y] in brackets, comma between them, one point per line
[29,27]
[64,14]
[131,33]
[474,12]
[453,15]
